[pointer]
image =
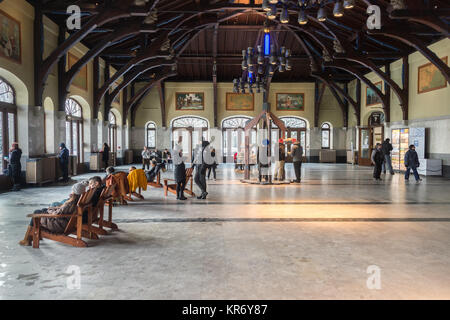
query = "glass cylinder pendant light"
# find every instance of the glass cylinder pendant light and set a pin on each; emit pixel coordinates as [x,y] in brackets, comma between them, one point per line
[302,18]
[322,14]
[273,1]
[349,4]
[265,5]
[272,14]
[284,18]
[338,10]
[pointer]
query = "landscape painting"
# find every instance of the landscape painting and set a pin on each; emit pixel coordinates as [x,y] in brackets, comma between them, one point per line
[430,78]
[240,101]
[81,79]
[290,101]
[10,38]
[190,100]
[371,96]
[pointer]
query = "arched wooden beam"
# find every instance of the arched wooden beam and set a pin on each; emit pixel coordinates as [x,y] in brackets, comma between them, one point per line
[107,14]
[417,44]
[130,77]
[352,56]
[360,76]
[333,86]
[128,30]
[430,18]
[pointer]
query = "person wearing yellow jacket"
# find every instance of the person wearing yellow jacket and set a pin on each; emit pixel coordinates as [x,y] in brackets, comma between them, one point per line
[137,179]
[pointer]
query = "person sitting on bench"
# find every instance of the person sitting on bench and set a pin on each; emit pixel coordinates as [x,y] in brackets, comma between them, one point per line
[57,225]
[151,175]
[109,171]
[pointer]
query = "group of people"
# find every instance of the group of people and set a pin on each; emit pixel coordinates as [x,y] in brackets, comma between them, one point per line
[382,161]
[148,156]
[66,207]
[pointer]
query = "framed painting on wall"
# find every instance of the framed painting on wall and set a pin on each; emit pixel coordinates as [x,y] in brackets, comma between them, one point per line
[430,78]
[240,101]
[290,101]
[10,38]
[81,79]
[371,97]
[190,100]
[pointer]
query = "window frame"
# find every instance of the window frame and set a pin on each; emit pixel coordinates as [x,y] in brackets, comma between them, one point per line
[7,108]
[325,128]
[147,129]
[78,121]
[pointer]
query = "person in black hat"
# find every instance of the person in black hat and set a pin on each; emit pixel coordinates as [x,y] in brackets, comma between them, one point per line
[64,161]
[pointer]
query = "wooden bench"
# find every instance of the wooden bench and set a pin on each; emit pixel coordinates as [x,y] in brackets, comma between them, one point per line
[97,215]
[74,226]
[173,186]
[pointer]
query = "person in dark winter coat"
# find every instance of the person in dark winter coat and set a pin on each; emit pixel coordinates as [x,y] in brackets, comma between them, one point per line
[180,176]
[377,160]
[213,166]
[412,163]
[386,147]
[201,166]
[105,155]
[297,158]
[14,166]
[64,161]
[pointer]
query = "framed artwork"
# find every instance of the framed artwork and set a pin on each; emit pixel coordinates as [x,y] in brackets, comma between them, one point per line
[10,38]
[240,101]
[81,79]
[190,100]
[117,99]
[430,78]
[290,101]
[371,97]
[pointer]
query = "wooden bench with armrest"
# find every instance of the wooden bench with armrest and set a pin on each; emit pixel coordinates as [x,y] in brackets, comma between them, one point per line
[74,226]
[97,216]
[173,186]
[158,183]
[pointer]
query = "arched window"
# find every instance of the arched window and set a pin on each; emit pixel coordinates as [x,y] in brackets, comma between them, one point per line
[233,135]
[150,130]
[295,128]
[8,120]
[326,136]
[189,131]
[112,132]
[74,128]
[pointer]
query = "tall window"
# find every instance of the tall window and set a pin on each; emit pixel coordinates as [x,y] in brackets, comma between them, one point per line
[233,135]
[74,128]
[188,132]
[150,130]
[112,134]
[326,136]
[295,128]
[8,120]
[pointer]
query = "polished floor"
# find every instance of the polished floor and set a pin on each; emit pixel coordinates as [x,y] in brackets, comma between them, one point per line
[337,235]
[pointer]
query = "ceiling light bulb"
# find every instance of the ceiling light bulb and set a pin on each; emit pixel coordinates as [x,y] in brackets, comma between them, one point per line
[349,4]
[272,14]
[284,18]
[265,5]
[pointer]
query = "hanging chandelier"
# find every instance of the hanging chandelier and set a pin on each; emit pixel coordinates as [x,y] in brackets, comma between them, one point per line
[302,6]
[259,65]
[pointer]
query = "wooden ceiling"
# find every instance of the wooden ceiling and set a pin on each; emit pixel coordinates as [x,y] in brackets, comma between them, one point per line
[132,36]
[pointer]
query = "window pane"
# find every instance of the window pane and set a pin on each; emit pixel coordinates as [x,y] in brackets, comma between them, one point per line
[325,139]
[303,141]
[6,92]
[1,141]
[11,131]
[68,135]
[151,138]
[75,139]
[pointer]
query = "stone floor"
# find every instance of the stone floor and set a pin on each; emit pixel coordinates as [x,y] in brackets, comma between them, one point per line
[310,241]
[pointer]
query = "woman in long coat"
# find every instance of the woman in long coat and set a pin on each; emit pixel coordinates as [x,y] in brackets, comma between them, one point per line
[14,167]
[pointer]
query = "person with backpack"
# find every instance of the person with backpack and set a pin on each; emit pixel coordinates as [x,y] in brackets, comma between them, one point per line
[297,158]
[180,175]
[377,159]
[201,165]
[412,163]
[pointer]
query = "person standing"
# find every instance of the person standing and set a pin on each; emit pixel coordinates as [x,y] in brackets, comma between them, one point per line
[213,166]
[279,168]
[200,168]
[180,176]
[386,147]
[105,155]
[14,166]
[297,158]
[412,163]
[64,161]
[377,159]
[146,155]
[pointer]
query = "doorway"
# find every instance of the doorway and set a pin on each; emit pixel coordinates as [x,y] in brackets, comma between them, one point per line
[369,137]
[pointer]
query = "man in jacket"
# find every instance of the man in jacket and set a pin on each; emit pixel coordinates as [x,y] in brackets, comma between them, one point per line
[146,155]
[386,147]
[64,161]
[377,159]
[14,166]
[297,158]
[201,165]
[279,168]
[412,163]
